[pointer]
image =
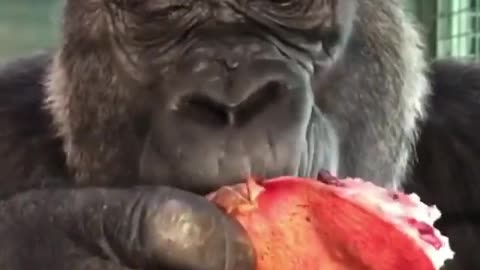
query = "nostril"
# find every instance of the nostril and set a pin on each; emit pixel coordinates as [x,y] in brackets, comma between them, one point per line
[203,110]
[259,101]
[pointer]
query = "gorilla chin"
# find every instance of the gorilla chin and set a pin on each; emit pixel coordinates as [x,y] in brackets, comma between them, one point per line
[219,126]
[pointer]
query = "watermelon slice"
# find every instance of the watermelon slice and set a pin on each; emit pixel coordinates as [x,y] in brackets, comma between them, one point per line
[334,224]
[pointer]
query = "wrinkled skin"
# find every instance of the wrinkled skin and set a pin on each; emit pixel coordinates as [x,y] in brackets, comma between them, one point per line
[111,140]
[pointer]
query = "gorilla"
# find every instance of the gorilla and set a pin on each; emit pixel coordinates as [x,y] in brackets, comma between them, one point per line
[111,140]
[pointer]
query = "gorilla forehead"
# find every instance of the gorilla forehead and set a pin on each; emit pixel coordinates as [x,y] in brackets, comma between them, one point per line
[154,28]
[295,14]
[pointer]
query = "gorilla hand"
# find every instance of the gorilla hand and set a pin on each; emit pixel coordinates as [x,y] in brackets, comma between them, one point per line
[142,228]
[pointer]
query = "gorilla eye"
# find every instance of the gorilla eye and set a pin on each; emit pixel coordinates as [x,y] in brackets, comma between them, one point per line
[284,3]
[286,7]
[167,6]
[154,8]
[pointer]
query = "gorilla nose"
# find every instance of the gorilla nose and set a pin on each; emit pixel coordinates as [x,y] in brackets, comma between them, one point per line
[235,106]
[214,128]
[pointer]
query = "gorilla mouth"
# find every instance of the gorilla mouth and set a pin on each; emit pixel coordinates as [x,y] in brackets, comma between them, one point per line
[199,160]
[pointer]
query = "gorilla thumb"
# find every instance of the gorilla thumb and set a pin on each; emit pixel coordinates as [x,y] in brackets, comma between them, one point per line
[143,228]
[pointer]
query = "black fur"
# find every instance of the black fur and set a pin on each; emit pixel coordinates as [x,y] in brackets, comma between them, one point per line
[447,170]
[32,154]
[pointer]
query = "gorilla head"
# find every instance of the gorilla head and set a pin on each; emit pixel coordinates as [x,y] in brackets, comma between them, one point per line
[208,92]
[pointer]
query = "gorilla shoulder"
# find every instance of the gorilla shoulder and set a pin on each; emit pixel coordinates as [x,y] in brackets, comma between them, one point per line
[447,165]
[448,151]
[31,154]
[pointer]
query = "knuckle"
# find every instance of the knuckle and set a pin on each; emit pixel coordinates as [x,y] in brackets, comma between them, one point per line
[193,233]
[175,228]
[179,224]
[185,231]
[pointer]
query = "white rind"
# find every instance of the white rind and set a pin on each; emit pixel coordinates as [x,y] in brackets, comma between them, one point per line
[397,211]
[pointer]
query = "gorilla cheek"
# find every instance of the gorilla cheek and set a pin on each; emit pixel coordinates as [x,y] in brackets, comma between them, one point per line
[322,151]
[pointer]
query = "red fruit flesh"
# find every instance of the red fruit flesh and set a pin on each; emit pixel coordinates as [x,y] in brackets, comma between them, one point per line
[300,224]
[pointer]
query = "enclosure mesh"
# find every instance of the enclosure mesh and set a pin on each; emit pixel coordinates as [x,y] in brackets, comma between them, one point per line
[458,29]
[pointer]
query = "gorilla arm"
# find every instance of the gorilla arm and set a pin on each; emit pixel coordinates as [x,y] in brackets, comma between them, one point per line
[45,223]
[96,228]
[446,171]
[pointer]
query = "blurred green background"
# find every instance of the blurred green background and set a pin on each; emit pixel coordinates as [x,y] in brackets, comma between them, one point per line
[27,26]
[452,27]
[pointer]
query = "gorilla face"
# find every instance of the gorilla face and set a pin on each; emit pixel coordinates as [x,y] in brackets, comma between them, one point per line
[235,95]
[198,94]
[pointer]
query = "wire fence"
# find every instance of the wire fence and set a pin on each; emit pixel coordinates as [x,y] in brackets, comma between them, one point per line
[458,29]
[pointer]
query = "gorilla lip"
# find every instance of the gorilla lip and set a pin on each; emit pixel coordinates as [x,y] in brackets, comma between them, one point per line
[335,224]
